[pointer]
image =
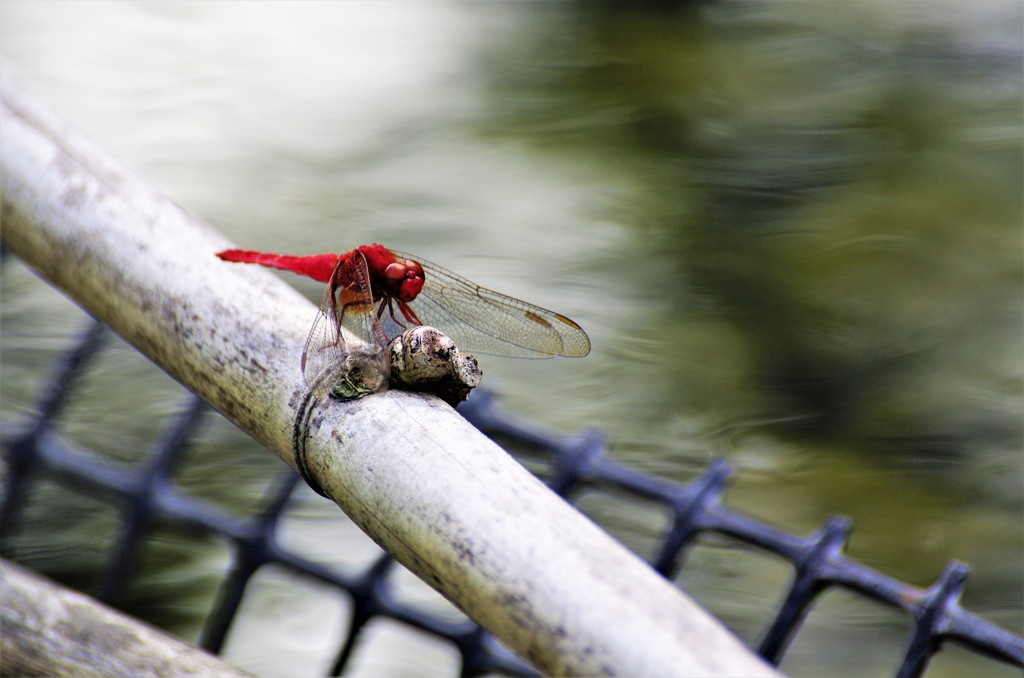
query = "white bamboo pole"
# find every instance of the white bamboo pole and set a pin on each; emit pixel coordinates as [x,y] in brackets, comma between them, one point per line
[447,502]
[51,631]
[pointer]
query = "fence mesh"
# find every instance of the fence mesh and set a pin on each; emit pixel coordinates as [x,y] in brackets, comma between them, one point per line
[146,495]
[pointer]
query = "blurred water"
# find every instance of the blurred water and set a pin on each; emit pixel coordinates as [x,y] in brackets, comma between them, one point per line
[793,232]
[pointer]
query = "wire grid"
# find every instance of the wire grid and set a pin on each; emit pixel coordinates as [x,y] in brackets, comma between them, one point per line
[147,495]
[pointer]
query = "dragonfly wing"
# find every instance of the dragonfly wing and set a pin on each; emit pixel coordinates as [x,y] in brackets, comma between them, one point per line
[324,351]
[332,363]
[481,320]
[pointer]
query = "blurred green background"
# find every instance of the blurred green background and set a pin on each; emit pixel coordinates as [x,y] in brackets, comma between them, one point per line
[792,230]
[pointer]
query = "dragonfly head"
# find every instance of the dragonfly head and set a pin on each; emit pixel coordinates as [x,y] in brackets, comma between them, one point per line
[403,280]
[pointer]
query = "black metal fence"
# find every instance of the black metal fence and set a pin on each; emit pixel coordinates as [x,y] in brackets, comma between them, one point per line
[147,496]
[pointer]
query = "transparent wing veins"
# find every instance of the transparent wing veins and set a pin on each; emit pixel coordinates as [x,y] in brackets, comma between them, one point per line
[481,320]
[324,358]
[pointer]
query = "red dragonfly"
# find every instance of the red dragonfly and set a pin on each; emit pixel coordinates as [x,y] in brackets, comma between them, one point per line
[378,292]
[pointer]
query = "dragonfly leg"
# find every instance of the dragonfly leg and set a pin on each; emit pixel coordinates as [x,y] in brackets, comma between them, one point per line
[407,313]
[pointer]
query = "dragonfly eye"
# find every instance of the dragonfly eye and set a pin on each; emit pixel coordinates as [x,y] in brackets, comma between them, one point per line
[403,280]
[413,282]
[394,272]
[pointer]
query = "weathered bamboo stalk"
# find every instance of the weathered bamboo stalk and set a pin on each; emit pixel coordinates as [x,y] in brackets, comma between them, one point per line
[47,630]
